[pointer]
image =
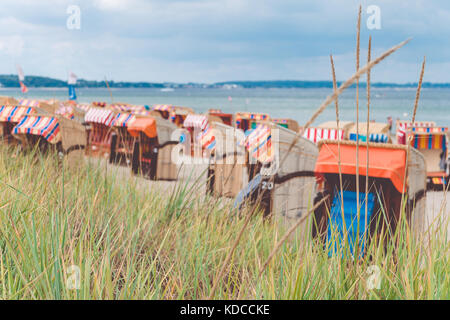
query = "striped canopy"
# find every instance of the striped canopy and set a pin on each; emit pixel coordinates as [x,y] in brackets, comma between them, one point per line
[102,116]
[13,114]
[29,103]
[252,116]
[258,142]
[123,120]
[166,108]
[317,134]
[403,126]
[207,138]
[373,137]
[196,121]
[46,127]
[429,129]
[429,141]
[279,120]
[120,107]
[162,107]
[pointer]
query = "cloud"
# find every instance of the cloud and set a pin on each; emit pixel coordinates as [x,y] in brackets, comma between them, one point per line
[112,4]
[208,40]
[12,45]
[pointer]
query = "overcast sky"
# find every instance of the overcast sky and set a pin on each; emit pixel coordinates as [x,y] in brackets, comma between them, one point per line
[220,40]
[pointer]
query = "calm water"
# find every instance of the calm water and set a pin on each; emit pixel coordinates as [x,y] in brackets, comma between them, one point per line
[298,104]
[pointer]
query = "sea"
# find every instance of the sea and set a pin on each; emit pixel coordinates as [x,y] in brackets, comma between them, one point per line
[296,103]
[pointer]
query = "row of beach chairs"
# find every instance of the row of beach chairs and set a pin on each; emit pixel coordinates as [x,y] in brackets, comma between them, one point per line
[266,162]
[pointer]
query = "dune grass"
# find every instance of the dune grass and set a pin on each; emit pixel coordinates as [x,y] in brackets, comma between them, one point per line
[130,242]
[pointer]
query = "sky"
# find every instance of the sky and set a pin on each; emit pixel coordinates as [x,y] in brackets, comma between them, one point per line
[225,40]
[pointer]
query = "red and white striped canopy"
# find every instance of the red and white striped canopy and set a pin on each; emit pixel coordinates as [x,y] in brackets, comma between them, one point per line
[123,120]
[102,116]
[259,143]
[195,121]
[46,127]
[162,107]
[120,107]
[13,114]
[317,134]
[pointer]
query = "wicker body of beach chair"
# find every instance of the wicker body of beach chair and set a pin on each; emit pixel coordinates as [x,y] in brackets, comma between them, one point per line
[73,140]
[122,142]
[432,142]
[228,169]
[99,121]
[152,151]
[9,118]
[285,182]
[387,166]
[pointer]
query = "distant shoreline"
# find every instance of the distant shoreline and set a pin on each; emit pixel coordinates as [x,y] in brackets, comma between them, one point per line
[11,81]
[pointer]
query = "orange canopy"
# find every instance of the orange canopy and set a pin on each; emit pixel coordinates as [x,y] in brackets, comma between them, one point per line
[145,125]
[384,162]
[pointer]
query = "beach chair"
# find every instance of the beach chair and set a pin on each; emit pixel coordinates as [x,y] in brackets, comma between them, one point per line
[122,142]
[216,114]
[173,113]
[285,183]
[432,142]
[99,121]
[73,140]
[387,167]
[228,168]
[248,121]
[9,118]
[197,126]
[287,123]
[328,131]
[152,151]
[403,126]
[41,130]
[378,132]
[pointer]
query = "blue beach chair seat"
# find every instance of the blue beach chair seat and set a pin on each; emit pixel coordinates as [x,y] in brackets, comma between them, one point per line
[347,225]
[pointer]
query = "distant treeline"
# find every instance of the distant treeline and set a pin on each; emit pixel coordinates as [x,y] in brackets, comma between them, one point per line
[12,81]
[322,84]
